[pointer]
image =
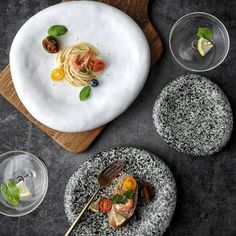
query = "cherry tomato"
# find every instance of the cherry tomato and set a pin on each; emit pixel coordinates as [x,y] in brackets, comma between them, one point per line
[129,183]
[98,65]
[57,74]
[51,44]
[105,204]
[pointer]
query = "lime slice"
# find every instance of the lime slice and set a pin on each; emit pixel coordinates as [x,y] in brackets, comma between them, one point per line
[204,46]
[119,219]
[95,206]
[23,190]
[10,192]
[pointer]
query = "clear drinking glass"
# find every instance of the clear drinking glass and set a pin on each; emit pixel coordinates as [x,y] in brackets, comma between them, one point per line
[183,42]
[23,166]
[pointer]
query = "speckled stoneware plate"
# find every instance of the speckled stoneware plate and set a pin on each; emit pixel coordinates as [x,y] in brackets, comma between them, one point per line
[193,115]
[121,43]
[152,219]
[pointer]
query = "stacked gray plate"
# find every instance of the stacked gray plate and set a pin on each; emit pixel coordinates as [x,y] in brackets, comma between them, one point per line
[151,219]
[193,115]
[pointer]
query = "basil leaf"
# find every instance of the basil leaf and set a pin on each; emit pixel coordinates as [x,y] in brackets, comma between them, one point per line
[10,192]
[129,194]
[124,200]
[117,198]
[57,30]
[85,93]
[204,32]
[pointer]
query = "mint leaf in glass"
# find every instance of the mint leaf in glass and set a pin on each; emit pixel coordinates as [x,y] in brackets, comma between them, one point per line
[204,32]
[85,93]
[10,192]
[57,30]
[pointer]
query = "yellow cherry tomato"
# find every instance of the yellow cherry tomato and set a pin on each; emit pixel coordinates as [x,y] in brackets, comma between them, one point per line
[129,183]
[57,74]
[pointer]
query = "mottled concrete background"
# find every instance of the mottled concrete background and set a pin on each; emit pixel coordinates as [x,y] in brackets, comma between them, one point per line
[206,186]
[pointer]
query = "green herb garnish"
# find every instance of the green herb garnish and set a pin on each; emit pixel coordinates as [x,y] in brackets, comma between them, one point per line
[57,30]
[122,199]
[204,32]
[117,199]
[89,72]
[85,93]
[10,192]
[129,194]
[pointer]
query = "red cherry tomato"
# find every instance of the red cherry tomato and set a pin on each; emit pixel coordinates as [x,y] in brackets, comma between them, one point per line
[98,65]
[105,204]
[51,44]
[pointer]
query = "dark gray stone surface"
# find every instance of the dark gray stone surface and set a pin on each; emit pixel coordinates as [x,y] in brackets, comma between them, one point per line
[206,202]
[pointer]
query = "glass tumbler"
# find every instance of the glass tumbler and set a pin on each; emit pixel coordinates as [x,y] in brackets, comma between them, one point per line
[183,42]
[23,166]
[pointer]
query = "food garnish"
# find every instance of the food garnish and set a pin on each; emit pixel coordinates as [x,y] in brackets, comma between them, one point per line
[129,183]
[57,74]
[98,65]
[57,30]
[24,191]
[119,219]
[10,192]
[95,206]
[147,192]
[204,46]
[105,205]
[94,82]
[122,199]
[85,93]
[51,44]
[204,32]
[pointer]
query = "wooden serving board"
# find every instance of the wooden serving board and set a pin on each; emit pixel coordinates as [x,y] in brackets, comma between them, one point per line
[79,142]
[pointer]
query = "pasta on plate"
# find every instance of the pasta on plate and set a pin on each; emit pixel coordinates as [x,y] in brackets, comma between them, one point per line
[80,63]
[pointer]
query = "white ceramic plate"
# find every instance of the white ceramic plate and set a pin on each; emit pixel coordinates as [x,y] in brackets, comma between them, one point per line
[57,105]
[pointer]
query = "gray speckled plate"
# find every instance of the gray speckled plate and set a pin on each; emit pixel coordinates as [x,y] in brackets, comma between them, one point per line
[193,115]
[152,219]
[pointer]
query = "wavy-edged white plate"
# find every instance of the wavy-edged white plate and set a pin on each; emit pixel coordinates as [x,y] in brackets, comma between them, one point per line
[57,105]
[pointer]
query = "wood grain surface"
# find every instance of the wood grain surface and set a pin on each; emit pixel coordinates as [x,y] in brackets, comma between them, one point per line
[79,142]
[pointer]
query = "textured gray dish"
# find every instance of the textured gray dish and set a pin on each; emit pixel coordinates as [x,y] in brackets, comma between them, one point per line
[193,115]
[152,219]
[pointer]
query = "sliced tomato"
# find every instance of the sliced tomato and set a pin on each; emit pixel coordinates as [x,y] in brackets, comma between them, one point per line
[98,65]
[105,204]
[57,74]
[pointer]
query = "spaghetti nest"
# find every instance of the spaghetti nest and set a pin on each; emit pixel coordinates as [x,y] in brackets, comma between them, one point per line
[80,63]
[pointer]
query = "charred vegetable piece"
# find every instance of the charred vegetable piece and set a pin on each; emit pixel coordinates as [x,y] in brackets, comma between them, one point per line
[147,192]
[51,44]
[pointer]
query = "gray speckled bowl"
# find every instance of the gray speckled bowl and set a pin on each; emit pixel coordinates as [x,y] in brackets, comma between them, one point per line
[193,115]
[152,219]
